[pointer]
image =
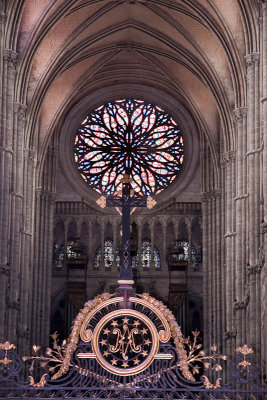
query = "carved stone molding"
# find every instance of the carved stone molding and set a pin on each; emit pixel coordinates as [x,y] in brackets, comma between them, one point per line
[264,227]
[242,305]
[20,109]
[205,153]
[240,113]
[2,18]
[211,195]
[230,334]
[230,234]
[52,151]
[13,304]
[11,58]
[3,149]
[242,196]
[252,60]
[254,151]
[23,333]
[4,269]
[45,194]
[227,158]
[29,155]
[254,269]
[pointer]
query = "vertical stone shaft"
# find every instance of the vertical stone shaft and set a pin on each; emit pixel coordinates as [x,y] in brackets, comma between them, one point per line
[229,235]
[45,198]
[254,193]
[6,150]
[25,322]
[264,225]
[17,267]
[240,199]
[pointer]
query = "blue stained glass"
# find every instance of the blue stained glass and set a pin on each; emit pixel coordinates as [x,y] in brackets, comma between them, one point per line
[108,255]
[128,135]
[185,256]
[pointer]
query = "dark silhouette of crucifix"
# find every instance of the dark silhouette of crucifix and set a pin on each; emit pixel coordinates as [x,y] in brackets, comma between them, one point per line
[126,201]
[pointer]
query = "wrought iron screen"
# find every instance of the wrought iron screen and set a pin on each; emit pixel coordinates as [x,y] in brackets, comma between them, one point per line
[124,348]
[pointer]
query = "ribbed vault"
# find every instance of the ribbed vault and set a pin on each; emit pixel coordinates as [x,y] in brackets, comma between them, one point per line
[194,50]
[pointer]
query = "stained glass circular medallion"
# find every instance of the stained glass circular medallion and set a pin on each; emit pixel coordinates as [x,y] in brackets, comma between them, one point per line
[129,136]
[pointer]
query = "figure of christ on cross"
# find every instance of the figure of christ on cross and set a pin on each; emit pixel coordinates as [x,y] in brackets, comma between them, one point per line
[126,201]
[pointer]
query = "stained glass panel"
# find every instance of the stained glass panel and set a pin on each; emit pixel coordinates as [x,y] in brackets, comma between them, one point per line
[129,135]
[185,256]
[109,256]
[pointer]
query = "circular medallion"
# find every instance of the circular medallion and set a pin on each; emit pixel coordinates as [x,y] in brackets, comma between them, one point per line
[125,342]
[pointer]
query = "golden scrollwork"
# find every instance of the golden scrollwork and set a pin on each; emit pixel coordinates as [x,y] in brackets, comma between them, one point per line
[86,334]
[164,335]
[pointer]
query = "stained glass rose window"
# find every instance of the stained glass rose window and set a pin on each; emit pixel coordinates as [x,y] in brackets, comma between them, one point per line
[129,136]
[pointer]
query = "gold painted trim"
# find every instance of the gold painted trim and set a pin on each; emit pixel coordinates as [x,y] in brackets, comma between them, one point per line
[86,355]
[126,371]
[86,334]
[166,356]
[164,335]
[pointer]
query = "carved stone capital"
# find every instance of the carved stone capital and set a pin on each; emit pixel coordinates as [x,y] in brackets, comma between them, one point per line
[242,305]
[45,194]
[29,155]
[252,60]
[254,269]
[230,334]
[20,109]
[11,58]
[227,158]
[239,114]
[211,195]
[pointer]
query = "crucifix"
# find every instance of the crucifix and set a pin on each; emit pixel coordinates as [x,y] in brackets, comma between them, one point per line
[126,201]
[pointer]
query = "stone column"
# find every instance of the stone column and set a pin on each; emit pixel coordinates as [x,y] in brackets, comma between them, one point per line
[213,282]
[9,309]
[228,162]
[44,213]
[240,115]
[254,145]
[264,173]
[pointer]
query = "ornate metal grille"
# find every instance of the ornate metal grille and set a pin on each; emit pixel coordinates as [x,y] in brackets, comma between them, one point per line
[115,352]
[129,135]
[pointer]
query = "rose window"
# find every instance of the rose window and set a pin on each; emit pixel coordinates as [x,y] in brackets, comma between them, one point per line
[133,137]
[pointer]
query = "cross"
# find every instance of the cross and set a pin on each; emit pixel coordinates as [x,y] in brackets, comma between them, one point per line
[126,201]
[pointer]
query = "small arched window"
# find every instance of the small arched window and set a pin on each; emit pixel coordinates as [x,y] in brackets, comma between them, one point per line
[185,255]
[108,255]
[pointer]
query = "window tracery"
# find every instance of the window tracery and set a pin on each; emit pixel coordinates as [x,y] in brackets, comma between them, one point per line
[129,135]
